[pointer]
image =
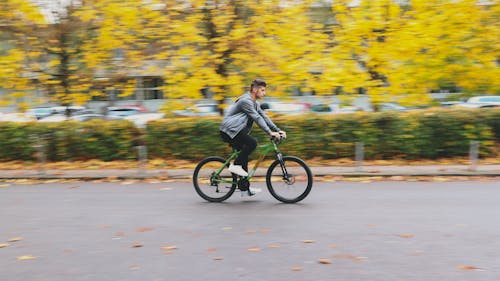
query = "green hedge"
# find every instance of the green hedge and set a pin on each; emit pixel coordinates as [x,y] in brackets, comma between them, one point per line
[427,134]
[69,140]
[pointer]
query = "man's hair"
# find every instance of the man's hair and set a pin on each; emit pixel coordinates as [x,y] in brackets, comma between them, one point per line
[258,83]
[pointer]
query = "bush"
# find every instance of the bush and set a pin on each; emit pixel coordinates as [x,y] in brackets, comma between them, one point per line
[69,140]
[419,134]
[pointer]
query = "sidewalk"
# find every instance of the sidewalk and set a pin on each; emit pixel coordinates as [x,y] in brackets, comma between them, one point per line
[350,171]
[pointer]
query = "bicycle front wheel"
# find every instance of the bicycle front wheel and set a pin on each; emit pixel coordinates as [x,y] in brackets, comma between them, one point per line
[212,185]
[290,180]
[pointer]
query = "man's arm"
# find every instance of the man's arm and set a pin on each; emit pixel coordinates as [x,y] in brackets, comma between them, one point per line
[248,107]
[268,120]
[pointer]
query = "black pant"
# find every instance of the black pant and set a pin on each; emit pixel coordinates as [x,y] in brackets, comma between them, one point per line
[244,143]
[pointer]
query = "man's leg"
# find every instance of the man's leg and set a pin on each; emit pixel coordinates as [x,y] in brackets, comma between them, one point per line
[246,144]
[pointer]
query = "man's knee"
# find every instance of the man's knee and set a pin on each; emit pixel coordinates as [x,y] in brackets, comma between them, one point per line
[253,144]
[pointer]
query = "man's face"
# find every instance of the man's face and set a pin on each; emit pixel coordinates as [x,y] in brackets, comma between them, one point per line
[259,92]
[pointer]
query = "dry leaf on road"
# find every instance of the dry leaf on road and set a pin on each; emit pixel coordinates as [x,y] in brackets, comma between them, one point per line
[254,249]
[308,241]
[144,229]
[168,248]
[25,258]
[3,245]
[137,245]
[406,235]
[324,261]
[296,268]
[467,267]
[15,239]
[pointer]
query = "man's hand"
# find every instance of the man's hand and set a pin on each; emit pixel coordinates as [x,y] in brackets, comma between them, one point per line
[275,135]
[283,134]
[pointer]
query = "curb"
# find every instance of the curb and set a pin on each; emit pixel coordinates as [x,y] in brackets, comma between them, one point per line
[386,171]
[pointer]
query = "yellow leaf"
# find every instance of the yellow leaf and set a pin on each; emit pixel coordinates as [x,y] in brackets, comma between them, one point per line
[15,239]
[27,257]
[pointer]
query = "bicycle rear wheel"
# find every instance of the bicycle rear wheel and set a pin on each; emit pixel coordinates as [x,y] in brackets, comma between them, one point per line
[291,181]
[211,186]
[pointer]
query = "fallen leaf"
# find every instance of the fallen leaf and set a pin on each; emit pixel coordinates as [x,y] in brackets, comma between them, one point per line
[308,241]
[25,258]
[349,257]
[265,231]
[137,245]
[168,252]
[218,258]
[406,235]
[274,246]
[467,267]
[128,182]
[169,248]
[325,261]
[134,267]
[144,229]
[4,185]
[211,249]
[254,249]
[3,245]
[332,247]
[15,239]
[296,268]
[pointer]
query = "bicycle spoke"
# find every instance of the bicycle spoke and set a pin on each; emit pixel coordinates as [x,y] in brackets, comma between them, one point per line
[212,185]
[292,187]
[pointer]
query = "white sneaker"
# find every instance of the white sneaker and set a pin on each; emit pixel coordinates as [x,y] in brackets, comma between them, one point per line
[237,169]
[252,191]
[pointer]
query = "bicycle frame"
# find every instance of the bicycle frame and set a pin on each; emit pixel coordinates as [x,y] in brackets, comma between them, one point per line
[266,148]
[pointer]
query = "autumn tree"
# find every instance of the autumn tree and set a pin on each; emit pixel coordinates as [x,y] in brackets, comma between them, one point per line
[17,20]
[402,52]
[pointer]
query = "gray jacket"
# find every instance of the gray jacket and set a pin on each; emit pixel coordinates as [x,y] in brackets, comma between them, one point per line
[241,115]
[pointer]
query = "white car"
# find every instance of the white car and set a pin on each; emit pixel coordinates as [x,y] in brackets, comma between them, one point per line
[141,119]
[16,117]
[485,100]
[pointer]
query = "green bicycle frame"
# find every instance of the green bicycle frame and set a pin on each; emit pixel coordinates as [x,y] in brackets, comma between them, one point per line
[266,148]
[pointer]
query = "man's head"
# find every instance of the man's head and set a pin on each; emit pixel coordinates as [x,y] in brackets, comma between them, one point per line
[258,88]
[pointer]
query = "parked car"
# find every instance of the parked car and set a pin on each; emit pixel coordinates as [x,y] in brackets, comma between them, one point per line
[287,107]
[202,109]
[324,108]
[485,100]
[16,117]
[141,119]
[389,106]
[40,112]
[333,109]
[123,111]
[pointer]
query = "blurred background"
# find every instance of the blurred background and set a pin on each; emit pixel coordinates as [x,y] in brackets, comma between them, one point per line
[144,60]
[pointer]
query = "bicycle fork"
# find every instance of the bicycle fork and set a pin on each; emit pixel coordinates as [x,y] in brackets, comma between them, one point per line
[286,176]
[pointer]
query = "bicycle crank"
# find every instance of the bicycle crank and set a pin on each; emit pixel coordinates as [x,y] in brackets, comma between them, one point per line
[243,184]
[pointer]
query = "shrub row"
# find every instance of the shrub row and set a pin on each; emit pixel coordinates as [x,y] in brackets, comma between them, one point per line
[427,134]
[420,134]
[70,140]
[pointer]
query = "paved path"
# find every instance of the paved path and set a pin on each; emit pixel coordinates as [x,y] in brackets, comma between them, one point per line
[380,231]
[427,170]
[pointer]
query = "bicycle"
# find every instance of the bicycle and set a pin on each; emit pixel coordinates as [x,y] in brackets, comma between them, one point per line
[288,178]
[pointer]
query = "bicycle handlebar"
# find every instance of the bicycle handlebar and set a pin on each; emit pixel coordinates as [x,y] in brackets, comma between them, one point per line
[277,140]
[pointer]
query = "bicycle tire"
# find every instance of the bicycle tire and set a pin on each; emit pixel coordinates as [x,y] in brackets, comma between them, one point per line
[203,181]
[301,174]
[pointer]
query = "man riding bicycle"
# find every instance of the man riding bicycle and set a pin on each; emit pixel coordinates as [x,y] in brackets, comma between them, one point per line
[237,124]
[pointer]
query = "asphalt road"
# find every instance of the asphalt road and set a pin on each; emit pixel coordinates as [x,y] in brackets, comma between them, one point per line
[387,231]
